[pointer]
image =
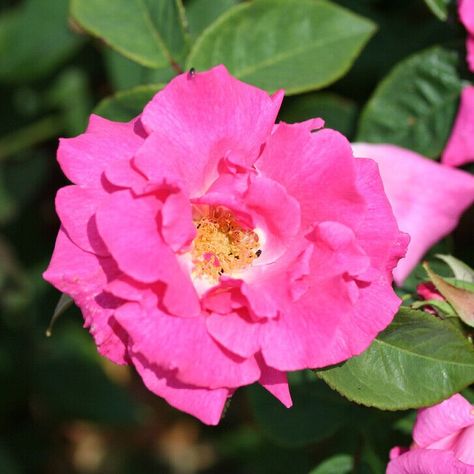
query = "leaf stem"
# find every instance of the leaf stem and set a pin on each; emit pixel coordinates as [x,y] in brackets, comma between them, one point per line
[27,137]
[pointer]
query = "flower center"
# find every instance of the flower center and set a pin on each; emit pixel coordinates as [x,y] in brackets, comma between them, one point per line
[222,245]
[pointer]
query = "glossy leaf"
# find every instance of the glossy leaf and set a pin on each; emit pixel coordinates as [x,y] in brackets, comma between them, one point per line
[201,13]
[414,106]
[417,361]
[125,105]
[277,43]
[149,32]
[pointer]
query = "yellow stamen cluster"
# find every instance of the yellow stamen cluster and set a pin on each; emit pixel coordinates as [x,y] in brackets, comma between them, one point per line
[222,245]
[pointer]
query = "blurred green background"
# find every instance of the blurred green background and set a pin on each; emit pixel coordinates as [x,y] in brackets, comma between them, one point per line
[63,409]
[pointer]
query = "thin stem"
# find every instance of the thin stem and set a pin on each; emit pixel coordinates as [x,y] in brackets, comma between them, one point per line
[27,137]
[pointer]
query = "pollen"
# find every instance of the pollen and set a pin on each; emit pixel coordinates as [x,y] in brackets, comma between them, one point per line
[222,246]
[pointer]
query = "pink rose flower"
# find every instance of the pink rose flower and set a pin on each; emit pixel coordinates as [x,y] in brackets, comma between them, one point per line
[460,147]
[210,248]
[427,198]
[428,291]
[443,441]
[466,14]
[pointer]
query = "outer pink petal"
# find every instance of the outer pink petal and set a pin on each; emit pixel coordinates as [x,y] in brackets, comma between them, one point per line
[460,147]
[317,169]
[83,276]
[466,13]
[276,383]
[377,230]
[427,198]
[216,115]
[205,404]
[438,422]
[76,208]
[428,461]
[470,51]
[83,159]
[184,346]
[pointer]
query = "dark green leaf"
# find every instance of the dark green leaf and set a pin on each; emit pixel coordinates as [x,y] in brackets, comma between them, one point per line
[339,464]
[439,8]
[298,46]
[417,361]
[312,400]
[414,105]
[125,105]
[149,32]
[34,38]
[338,112]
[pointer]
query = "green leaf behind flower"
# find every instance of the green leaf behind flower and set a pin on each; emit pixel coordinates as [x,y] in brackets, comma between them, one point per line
[273,44]
[126,105]
[417,361]
[439,8]
[338,464]
[28,49]
[152,33]
[414,106]
[312,400]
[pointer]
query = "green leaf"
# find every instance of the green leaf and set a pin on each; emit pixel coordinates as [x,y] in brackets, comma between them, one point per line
[277,43]
[312,400]
[201,13]
[439,8]
[150,32]
[461,299]
[125,105]
[417,361]
[338,112]
[339,464]
[125,74]
[34,39]
[440,305]
[460,270]
[414,106]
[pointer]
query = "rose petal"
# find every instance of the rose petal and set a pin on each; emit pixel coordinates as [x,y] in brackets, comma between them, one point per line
[183,345]
[317,169]
[427,198]
[83,159]
[460,147]
[217,114]
[76,208]
[428,461]
[437,422]
[83,276]
[205,404]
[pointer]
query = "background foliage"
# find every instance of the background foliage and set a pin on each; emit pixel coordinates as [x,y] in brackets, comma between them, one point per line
[377,70]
